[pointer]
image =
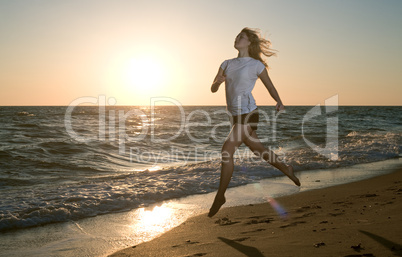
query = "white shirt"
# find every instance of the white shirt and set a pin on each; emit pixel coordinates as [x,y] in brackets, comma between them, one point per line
[241,75]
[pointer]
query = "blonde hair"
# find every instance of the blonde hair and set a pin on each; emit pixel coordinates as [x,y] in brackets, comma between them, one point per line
[259,45]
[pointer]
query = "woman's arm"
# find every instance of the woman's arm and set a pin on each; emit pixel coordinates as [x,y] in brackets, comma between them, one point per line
[271,89]
[219,79]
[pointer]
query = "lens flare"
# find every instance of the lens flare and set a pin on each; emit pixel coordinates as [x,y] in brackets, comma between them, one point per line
[277,207]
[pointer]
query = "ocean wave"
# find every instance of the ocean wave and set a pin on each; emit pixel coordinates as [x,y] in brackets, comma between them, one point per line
[25,114]
[62,147]
[106,194]
[11,182]
[27,125]
[4,154]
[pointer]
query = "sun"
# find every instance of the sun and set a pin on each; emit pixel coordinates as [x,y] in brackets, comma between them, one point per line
[144,75]
[134,76]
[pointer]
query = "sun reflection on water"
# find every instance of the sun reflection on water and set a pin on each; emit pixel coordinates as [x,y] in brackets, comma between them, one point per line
[155,168]
[152,222]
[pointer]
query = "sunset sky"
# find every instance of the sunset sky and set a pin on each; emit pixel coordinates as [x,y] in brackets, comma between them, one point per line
[53,52]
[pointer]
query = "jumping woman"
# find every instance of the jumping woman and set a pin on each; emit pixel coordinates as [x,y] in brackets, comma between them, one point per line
[240,75]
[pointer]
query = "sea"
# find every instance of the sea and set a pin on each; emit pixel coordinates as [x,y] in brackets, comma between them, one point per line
[63,165]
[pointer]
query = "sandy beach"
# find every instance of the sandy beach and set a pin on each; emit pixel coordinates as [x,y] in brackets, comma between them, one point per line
[357,219]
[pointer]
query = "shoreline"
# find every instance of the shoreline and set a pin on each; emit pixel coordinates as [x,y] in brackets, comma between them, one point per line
[106,234]
[356,218]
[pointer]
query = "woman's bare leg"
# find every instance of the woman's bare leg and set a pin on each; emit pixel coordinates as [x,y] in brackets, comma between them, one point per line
[258,148]
[233,141]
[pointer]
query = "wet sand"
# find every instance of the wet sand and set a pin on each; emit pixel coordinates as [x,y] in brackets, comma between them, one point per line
[357,219]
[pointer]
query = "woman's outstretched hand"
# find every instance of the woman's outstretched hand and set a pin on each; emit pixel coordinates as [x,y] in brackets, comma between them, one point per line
[219,79]
[280,107]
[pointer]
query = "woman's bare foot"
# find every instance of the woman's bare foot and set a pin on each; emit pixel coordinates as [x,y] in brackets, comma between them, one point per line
[292,176]
[218,202]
